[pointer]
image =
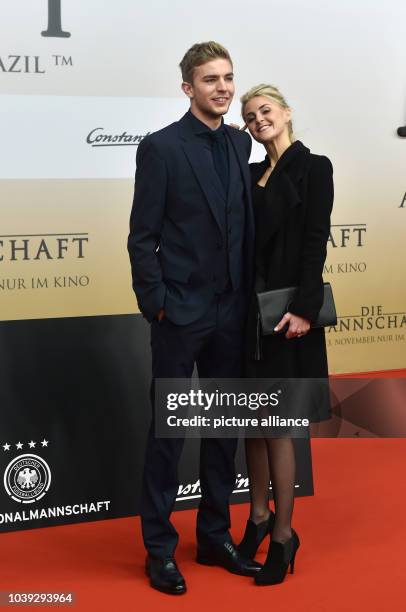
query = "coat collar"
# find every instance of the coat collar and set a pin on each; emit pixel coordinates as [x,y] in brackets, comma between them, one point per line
[293,158]
[282,191]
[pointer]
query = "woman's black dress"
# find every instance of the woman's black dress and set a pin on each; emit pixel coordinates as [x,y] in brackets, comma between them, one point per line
[292,219]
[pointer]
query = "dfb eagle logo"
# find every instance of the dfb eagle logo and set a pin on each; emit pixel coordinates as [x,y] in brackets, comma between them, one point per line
[27,479]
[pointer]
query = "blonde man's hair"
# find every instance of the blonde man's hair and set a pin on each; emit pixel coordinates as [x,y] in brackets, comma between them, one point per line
[200,54]
[271,92]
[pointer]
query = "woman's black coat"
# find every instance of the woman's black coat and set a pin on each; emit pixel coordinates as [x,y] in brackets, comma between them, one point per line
[292,229]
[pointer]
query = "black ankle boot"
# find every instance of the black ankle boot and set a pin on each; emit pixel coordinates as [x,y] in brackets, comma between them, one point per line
[280,556]
[254,535]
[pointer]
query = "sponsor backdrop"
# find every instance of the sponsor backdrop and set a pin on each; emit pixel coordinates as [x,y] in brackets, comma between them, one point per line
[80,87]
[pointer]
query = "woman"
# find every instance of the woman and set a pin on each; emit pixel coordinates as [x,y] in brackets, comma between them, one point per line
[293,197]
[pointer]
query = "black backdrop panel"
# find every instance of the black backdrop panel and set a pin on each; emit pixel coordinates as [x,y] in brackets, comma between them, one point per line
[74,401]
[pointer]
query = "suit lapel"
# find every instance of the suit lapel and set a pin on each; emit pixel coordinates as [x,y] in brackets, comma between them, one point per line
[201,163]
[241,155]
[208,180]
[242,160]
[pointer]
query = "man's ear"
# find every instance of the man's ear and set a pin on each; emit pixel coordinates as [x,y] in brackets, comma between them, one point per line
[187,88]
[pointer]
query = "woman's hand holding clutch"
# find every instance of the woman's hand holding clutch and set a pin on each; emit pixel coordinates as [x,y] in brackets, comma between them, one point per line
[298,326]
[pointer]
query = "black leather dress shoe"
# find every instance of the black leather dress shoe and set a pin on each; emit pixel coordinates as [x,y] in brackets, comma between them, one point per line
[165,576]
[227,556]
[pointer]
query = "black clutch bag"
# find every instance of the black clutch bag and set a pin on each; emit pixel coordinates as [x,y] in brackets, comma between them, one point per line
[272,305]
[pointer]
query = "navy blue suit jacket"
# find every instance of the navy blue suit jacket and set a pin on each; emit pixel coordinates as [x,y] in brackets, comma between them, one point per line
[175,230]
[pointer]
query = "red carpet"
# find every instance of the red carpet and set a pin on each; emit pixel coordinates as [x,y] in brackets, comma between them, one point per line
[353,536]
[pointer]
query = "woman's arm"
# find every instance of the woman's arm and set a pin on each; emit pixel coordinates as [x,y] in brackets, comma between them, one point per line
[320,194]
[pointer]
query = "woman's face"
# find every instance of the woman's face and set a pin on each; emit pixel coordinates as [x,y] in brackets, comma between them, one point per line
[266,119]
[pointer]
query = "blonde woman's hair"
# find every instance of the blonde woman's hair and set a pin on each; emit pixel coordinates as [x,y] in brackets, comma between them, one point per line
[199,54]
[271,92]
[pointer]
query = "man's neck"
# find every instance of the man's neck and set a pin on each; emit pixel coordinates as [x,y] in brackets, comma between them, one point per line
[213,122]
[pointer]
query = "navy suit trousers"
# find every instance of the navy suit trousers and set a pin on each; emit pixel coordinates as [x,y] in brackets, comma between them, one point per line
[214,344]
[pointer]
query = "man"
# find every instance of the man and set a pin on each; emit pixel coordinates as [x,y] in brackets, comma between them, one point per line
[190,245]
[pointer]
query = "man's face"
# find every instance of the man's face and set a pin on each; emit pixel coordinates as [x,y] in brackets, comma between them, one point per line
[212,89]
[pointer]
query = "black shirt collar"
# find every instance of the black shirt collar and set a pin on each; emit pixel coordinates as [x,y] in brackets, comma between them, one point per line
[200,128]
